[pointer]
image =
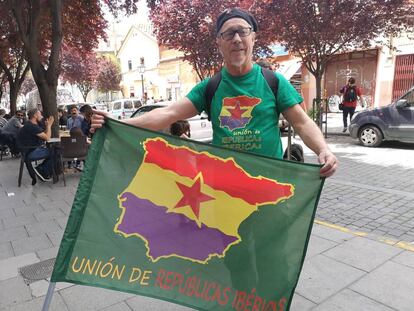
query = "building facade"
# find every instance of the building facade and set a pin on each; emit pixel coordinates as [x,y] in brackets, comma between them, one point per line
[164,76]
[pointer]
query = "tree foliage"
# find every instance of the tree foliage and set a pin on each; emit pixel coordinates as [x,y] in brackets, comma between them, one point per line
[318,29]
[109,75]
[28,85]
[189,26]
[12,57]
[43,25]
[80,68]
[127,6]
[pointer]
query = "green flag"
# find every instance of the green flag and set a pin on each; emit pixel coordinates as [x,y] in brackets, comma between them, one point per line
[190,223]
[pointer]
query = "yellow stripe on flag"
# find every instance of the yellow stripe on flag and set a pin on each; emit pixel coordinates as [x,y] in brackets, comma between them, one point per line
[224,213]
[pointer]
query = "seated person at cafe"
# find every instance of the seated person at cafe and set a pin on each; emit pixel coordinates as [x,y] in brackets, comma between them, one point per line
[32,136]
[180,128]
[75,119]
[63,119]
[3,120]
[14,124]
[6,143]
[86,111]
[10,130]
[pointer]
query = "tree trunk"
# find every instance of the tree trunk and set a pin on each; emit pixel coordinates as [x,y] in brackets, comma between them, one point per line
[15,77]
[45,75]
[84,91]
[47,93]
[15,86]
[318,79]
[14,91]
[84,95]
[319,105]
[2,86]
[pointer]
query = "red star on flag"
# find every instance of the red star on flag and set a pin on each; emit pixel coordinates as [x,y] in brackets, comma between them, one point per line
[192,196]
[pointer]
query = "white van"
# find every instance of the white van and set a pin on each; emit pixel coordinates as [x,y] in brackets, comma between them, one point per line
[123,108]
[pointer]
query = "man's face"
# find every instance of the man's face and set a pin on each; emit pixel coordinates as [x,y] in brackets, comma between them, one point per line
[237,51]
[39,116]
[74,112]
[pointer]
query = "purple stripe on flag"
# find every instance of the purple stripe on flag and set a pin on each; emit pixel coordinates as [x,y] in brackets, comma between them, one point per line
[170,233]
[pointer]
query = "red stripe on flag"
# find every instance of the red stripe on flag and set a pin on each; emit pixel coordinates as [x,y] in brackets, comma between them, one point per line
[217,173]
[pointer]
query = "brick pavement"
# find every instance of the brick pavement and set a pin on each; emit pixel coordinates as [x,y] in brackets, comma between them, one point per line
[352,263]
[373,190]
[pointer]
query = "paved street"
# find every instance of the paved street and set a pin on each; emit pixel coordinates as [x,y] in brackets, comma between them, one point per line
[360,257]
[373,190]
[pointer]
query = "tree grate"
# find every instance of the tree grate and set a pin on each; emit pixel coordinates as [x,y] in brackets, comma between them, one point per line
[38,271]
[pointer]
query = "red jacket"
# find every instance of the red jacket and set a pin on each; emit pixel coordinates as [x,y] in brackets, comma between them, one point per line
[354,103]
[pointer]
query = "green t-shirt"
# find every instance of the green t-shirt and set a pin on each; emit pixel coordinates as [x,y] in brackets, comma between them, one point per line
[244,113]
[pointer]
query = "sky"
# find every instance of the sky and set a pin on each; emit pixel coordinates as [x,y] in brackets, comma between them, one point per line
[122,23]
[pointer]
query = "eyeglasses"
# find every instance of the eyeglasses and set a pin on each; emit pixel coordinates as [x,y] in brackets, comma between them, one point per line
[242,32]
[20,115]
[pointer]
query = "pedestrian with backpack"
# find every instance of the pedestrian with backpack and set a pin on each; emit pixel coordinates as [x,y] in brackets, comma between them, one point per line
[349,101]
[243,100]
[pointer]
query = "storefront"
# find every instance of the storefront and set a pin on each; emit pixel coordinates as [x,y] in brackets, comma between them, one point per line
[361,65]
[403,75]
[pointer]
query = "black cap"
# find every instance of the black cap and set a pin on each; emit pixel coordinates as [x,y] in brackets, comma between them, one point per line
[235,13]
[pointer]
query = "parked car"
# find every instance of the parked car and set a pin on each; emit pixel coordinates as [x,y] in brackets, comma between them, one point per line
[100,106]
[392,122]
[123,108]
[200,127]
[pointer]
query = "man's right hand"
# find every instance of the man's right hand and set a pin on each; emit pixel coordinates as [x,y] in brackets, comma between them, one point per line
[98,119]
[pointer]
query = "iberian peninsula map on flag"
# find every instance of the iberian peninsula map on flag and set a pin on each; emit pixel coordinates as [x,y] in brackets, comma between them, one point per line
[190,223]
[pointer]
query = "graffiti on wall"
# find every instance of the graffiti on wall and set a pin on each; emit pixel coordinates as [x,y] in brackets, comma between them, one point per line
[347,73]
[361,65]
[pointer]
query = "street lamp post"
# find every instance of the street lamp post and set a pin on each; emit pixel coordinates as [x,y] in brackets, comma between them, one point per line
[141,69]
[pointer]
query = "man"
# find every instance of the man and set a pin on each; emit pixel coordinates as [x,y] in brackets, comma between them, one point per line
[350,95]
[63,119]
[32,136]
[14,124]
[75,119]
[3,120]
[87,112]
[10,130]
[242,87]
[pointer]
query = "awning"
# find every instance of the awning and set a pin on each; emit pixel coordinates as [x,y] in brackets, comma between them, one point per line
[289,67]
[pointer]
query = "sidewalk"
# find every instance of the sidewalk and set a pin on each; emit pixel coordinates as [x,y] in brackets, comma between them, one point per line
[345,268]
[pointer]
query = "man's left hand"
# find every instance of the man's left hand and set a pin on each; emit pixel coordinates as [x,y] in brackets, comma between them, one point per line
[49,121]
[329,161]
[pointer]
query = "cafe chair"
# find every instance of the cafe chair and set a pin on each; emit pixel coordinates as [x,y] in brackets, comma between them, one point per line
[4,148]
[24,151]
[72,149]
[4,151]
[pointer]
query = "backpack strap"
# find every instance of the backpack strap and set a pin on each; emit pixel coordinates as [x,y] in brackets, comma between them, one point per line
[271,79]
[211,89]
[215,80]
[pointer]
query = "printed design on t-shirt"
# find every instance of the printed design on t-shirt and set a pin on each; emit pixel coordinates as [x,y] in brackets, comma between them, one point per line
[236,112]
